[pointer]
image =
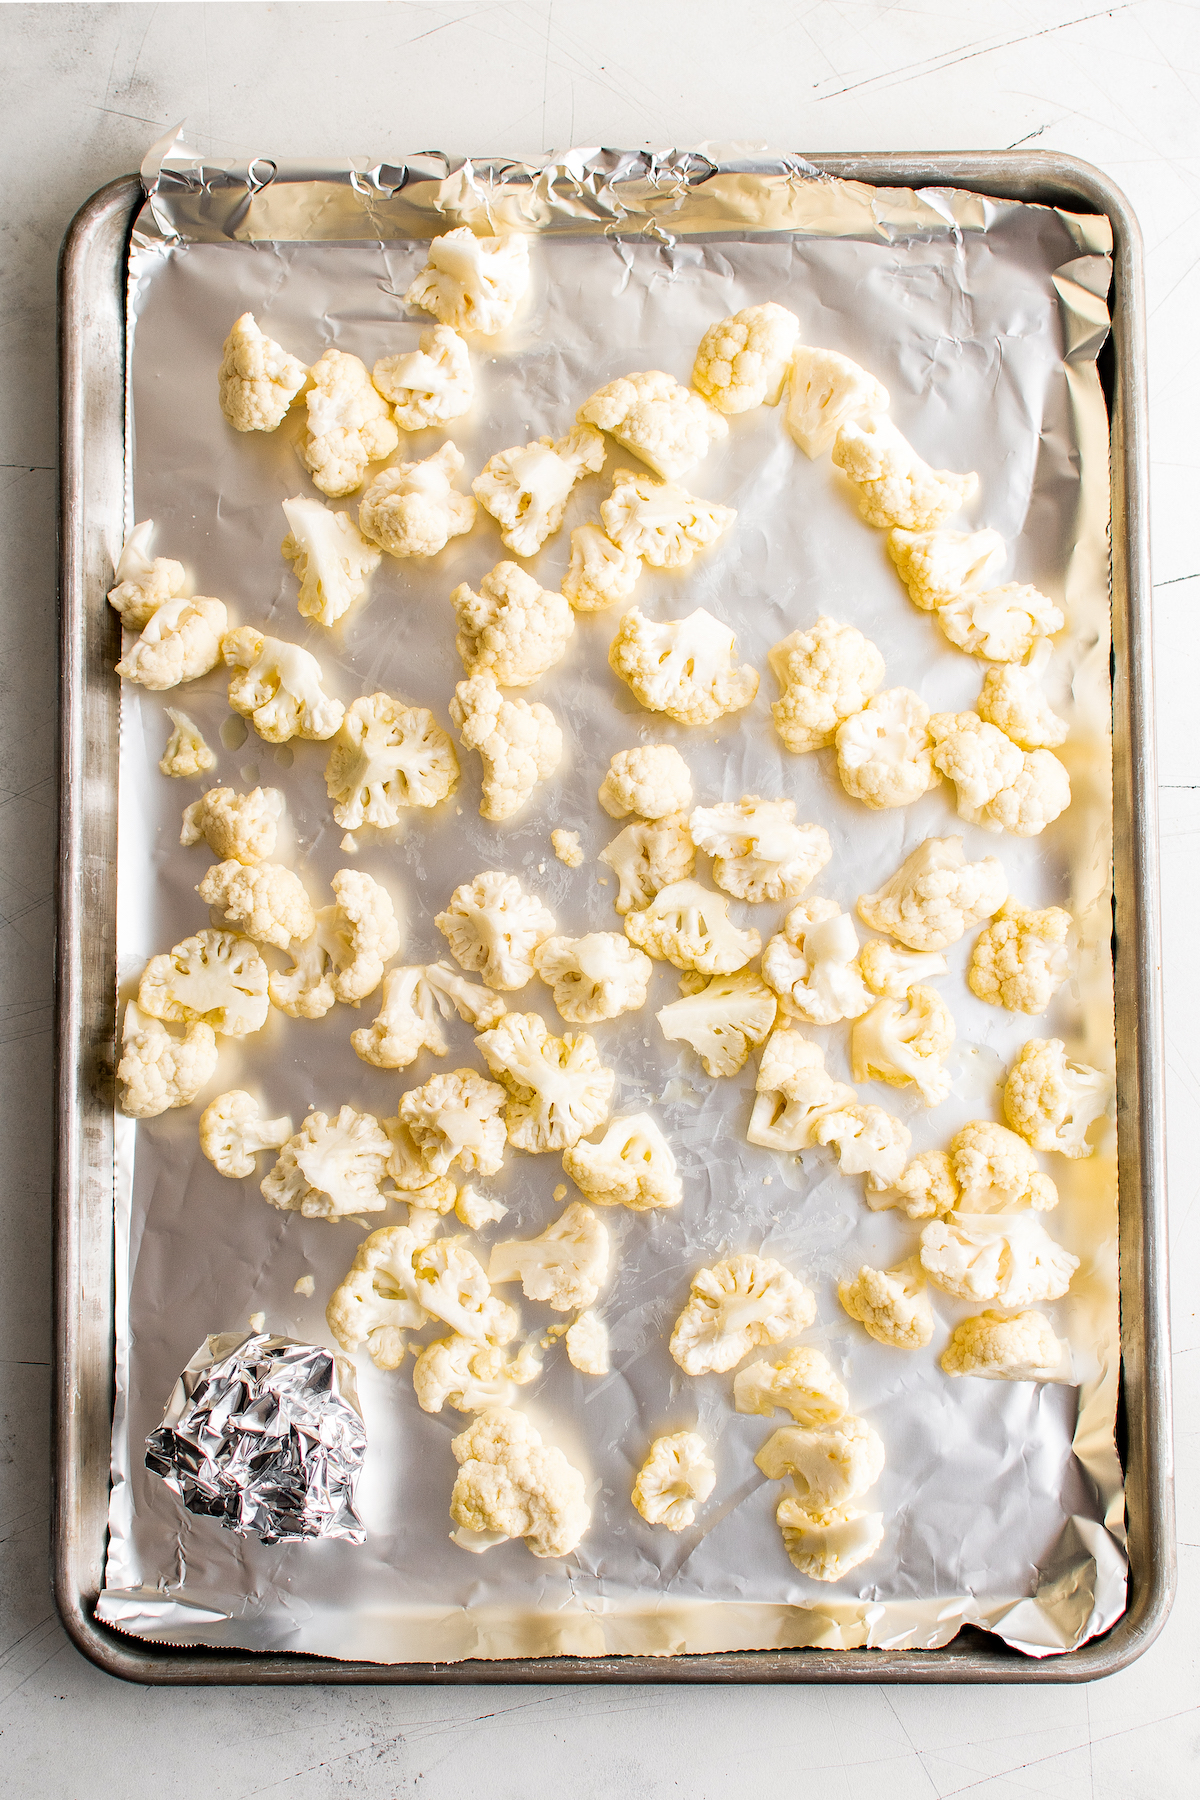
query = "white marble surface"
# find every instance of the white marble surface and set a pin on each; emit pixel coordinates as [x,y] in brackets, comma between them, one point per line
[83,89]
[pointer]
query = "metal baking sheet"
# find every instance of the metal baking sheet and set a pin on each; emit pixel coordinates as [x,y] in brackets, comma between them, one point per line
[795,1665]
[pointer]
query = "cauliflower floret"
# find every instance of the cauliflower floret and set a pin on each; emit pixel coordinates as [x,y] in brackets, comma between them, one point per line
[737,1304]
[594,977]
[266,901]
[512,1485]
[826,391]
[472,283]
[743,360]
[935,896]
[343,958]
[1001,624]
[647,857]
[411,509]
[565,1266]
[689,926]
[824,1546]
[760,852]
[894,486]
[186,753]
[377,1301]
[664,424]
[1023,958]
[158,1071]
[682,667]
[587,1344]
[475,1210]
[722,1021]
[828,1464]
[143,584]
[800,1381]
[413,1004]
[332,560]
[999,786]
[277,686]
[559,1090]
[233,1131]
[869,1142]
[651,781]
[428,386]
[456,1119]
[678,1475]
[330,1167]
[884,753]
[887,970]
[1012,699]
[241,826]
[926,1189]
[633,1165]
[451,1286]
[792,1093]
[600,572]
[1052,1102]
[1012,1260]
[349,424]
[180,641]
[512,627]
[995,1171]
[469,1376]
[388,756]
[519,744]
[429,1194]
[891,1304]
[659,521]
[258,378]
[526,489]
[826,673]
[812,964]
[1022,1348]
[938,566]
[215,977]
[902,1041]
[567,847]
[493,928]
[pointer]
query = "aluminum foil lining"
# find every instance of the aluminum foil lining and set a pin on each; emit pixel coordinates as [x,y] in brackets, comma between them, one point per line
[265,1435]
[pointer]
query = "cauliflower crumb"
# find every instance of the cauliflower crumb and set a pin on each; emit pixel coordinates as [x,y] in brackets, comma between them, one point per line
[233,1131]
[242,826]
[558,1089]
[186,753]
[180,641]
[647,857]
[430,385]
[827,390]
[526,489]
[510,1485]
[799,1381]
[793,1092]
[682,667]
[722,1021]
[903,1041]
[935,896]
[687,925]
[937,566]
[894,486]
[735,1305]
[1023,958]
[330,1167]
[594,977]
[600,572]
[158,1071]
[891,1304]
[828,1464]
[664,424]
[587,1344]
[388,757]
[659,522]
[884,752]
[996,1348]
[277,686]
[999,786]
[512,627]
[258,379]
[826,673]
[566,1266]
[472,283]
[143,583]
[493,928]
[652,781]
[813,964]
[519,744]
[412,509]
[825,1546]
[633,1165]
[1052,1102]
[264,900]
[332,559]
[567,847]
[676,1477]
[306,1285]
[1001,624]
[743,361]
[760,852]
[349,424]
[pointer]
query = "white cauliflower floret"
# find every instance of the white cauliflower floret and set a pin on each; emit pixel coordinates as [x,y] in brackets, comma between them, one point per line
[567,847]
[412,509]
[587,1344]
[158,1071]
[826,673]
[824,1546]
[737,1304]
[519,744]
[566,1266]
[413,1004]
[512,627]
[676,1477]
[1023,957]
[430,385]
[884,752]
[828,1464]
[215,977]
[559,1090]
[376,1303]
[526,489]
[633,1165]
[793,1092]
[689,926]
[600,572]
[1052,1102]
[937,566]
[999,786]
[1012,1260]
[799,1381]
[1021,1348]
[277,686]
[682,667]
[452,1286]
[812,964]
[926,1189]
[343,959]
[743,360]
[1001,624]
[760,852]
[143,583]
[265,900]
[647,857]
[233,1131]
[242,826]
[660,522]
[995,1171]
[429,1194]
[723,1020]
[894,486]
[891,1304]
[186,753]
[469,1376]
[456,1119]
[594,977]
[651,781]
[888,970]
[511,1485]
[330,1167]
[493,928]
[935,896]
[332,559]
[388,756]
[472,283]
[664,424]
[869,1142]
[902,1041]
[475,1210]
[180,641]
[349,424]
[1012,698]
[258,379]
[826,391]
